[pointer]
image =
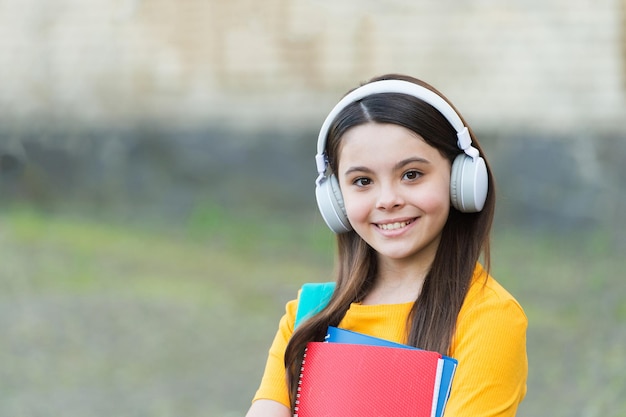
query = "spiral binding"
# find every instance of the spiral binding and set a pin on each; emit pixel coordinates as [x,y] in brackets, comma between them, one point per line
[296,406]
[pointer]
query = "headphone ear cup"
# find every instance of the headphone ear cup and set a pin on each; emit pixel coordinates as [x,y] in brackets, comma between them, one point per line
[468,184]
[330,204]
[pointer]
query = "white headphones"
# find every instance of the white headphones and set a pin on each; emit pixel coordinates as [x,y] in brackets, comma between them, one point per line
[468,182]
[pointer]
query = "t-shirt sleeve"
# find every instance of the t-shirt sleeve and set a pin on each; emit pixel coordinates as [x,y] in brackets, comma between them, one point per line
[273,384]
[490,345]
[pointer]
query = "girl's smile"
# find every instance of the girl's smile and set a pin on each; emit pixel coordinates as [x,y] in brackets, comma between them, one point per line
[395,225]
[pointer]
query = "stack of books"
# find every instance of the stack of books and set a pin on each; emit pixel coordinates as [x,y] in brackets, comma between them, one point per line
[352,374]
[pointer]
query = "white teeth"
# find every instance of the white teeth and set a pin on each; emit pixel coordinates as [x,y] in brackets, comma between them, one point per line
[393,226]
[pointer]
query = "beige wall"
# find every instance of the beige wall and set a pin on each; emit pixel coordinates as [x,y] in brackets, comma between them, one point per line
[550,66]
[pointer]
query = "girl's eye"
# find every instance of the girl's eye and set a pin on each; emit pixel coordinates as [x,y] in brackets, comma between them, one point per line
[362,182]
[411,175]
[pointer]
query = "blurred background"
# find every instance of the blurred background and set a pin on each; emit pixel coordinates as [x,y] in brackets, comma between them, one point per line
[156,186]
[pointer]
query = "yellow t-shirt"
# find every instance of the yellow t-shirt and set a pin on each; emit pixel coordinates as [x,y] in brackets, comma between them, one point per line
[489,344]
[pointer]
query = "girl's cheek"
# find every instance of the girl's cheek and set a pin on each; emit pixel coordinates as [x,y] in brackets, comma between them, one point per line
[356,208]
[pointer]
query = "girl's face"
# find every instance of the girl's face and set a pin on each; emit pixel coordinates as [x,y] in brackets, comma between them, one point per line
[396,190]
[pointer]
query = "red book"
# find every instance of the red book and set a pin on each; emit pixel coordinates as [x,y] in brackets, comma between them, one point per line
[346,380]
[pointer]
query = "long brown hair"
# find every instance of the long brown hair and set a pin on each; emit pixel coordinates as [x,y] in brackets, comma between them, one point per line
[431,322]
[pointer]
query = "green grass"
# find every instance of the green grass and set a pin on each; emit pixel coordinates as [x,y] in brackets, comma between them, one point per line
[104,319]
[573,291]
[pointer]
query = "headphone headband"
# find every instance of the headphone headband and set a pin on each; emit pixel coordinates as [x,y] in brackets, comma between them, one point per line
[464,141]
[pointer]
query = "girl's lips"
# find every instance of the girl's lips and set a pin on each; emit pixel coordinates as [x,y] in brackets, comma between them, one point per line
[394,225]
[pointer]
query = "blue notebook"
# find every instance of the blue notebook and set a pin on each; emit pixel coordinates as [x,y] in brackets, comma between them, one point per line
[336,335]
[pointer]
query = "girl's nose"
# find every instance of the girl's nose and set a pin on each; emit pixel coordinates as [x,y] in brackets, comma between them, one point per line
[389,198]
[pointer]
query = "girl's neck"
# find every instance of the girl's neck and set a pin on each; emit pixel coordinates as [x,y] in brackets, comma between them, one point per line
[397,283]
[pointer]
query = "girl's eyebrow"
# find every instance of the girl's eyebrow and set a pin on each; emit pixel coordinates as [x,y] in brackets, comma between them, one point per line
[399,165]
[411,160]
[356,169]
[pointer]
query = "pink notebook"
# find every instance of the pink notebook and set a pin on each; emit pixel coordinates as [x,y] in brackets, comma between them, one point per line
[340,380]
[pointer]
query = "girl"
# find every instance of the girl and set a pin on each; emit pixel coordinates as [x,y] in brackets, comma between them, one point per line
[412,203]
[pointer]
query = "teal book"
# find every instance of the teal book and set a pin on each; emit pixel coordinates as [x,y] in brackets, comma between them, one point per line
[337,335]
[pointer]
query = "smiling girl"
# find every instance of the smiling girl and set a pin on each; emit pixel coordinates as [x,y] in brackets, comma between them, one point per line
[406,187]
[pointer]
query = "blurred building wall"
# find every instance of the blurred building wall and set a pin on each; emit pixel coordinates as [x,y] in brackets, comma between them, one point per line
[171,103]
[547,66]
